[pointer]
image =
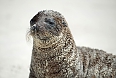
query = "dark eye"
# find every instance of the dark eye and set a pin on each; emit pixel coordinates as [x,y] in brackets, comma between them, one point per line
[50,21]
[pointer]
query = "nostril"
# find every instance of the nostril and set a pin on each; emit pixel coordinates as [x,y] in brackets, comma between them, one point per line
[33,28]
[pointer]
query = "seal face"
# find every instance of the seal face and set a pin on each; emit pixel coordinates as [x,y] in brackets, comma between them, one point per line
[47,25]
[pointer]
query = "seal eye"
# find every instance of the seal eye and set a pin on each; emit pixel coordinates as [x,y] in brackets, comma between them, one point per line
[50,21]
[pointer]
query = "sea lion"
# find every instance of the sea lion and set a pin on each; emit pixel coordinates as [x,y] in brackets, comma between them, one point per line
[55,54]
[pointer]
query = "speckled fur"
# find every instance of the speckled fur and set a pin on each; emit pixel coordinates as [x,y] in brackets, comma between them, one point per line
[59,57]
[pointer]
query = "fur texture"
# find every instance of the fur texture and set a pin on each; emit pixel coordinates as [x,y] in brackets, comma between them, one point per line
[55,54]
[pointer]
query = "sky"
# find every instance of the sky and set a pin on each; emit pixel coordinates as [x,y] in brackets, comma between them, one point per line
[92,23]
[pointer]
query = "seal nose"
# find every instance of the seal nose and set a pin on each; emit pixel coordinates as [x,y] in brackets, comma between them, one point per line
[33,28]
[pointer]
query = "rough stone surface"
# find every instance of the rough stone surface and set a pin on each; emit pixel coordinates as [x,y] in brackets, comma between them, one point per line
[55,54]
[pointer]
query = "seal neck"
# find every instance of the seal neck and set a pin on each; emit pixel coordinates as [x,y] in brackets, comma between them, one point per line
[58,59]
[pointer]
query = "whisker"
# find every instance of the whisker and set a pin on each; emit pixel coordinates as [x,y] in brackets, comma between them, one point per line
[28,35]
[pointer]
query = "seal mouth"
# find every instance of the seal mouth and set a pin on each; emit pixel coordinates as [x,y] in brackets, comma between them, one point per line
[43,39]
[41,35]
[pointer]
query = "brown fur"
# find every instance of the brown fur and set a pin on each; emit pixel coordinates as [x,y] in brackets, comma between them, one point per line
[55,54]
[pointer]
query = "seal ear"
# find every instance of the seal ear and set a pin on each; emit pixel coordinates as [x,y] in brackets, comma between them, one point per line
[64,23]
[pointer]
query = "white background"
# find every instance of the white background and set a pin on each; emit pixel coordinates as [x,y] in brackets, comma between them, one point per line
[92,22]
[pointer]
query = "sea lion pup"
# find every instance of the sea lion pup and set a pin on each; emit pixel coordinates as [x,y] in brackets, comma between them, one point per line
[55,54]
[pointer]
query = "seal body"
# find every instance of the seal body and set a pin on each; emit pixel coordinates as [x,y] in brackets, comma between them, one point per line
[55,54]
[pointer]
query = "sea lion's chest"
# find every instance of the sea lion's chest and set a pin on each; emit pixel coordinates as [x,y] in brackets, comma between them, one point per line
[47,63]
[53,64]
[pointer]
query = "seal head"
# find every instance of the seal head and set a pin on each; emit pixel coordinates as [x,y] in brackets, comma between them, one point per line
[46,26]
